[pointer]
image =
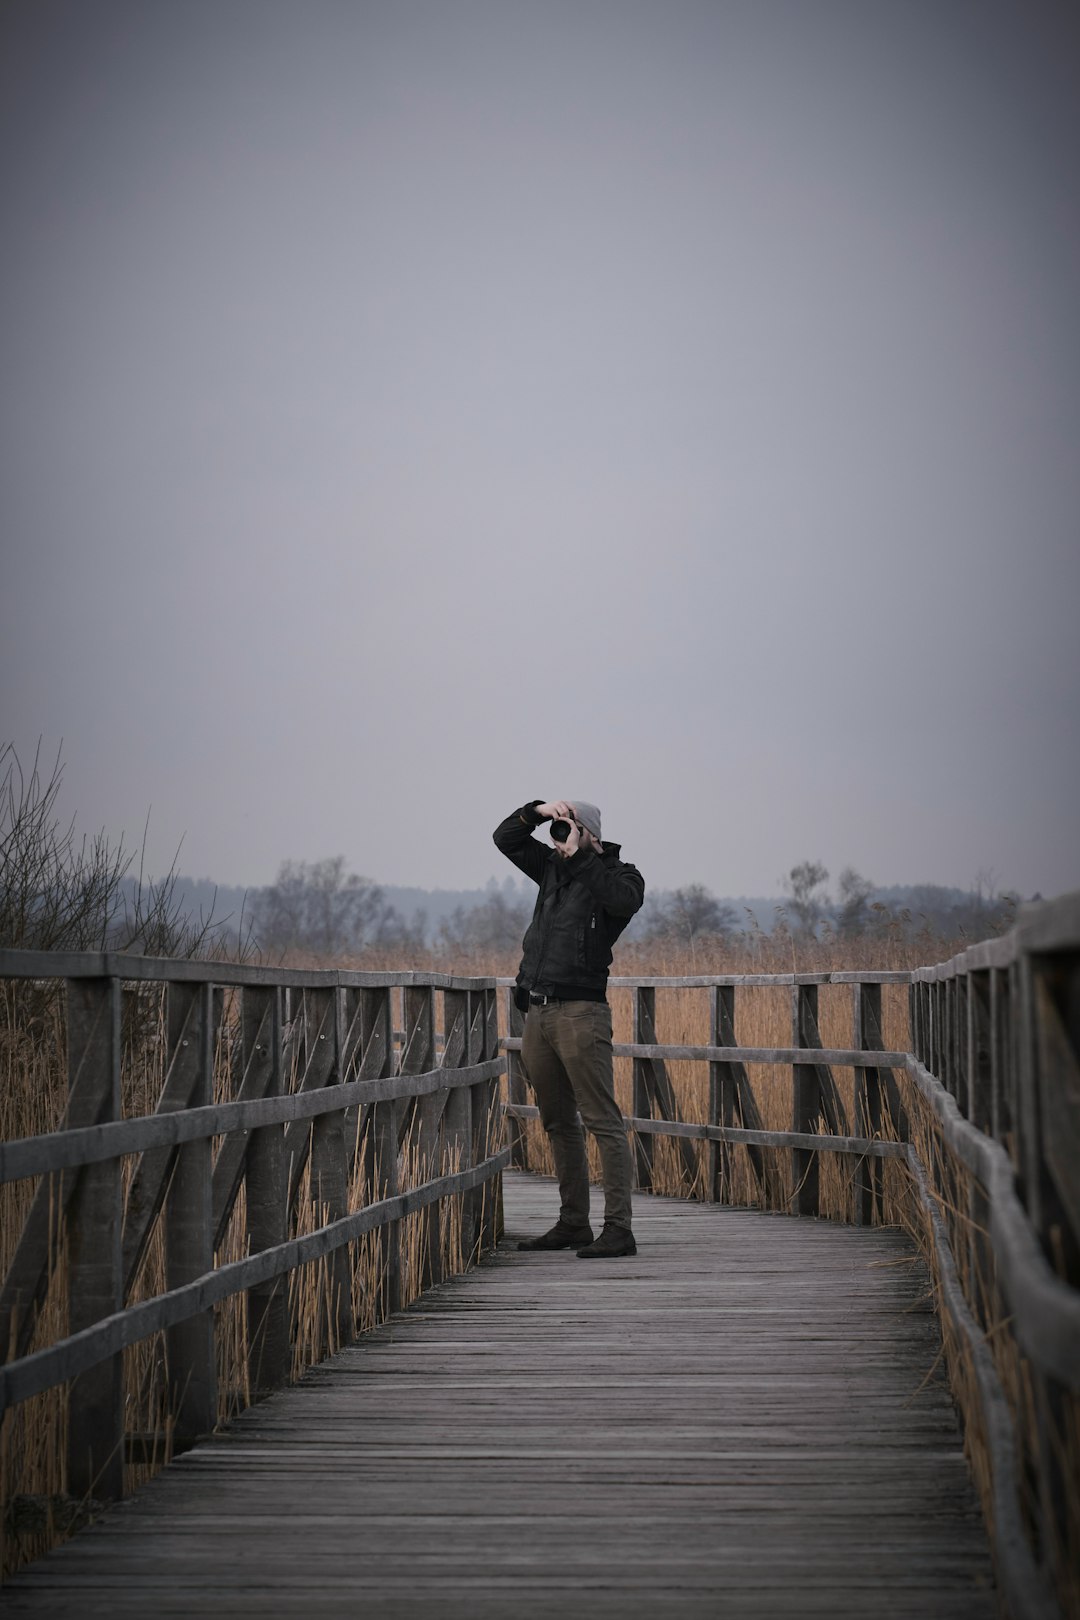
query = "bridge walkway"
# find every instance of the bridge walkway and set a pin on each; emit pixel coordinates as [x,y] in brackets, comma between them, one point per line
[744,1420]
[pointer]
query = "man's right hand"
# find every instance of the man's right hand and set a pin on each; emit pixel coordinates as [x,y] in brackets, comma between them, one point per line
[556,809]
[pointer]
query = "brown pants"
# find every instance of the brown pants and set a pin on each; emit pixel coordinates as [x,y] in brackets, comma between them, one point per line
[566,1054]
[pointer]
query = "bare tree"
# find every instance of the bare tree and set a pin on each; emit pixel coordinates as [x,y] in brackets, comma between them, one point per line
[318,906]
[60,892]
[689,915]
[853,903]
[496,925]
[808,901]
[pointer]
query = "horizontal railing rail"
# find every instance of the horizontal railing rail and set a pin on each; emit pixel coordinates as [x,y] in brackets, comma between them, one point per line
[223,1128]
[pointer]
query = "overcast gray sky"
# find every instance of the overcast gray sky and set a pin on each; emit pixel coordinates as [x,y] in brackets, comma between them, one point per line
[413,408]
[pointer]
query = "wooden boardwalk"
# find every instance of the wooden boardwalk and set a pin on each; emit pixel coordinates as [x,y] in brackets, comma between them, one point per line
[737,1422]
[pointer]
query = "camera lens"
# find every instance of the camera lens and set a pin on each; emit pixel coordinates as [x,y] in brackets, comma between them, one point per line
[560,831]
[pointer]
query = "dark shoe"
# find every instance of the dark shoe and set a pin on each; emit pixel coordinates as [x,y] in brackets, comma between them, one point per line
[561,1236]
[613,1241]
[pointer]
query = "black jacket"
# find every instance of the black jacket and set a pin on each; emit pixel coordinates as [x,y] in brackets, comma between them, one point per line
[585,902]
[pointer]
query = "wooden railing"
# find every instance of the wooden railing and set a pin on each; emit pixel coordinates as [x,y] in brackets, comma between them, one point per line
[293,1117]
[300,1116]
[981,1114]
[819,1117]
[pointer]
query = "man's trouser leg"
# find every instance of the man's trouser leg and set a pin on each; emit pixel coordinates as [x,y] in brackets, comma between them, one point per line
[577,1034]
[558,1107]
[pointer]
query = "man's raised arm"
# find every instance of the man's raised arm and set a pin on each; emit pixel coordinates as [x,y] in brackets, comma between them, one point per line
[514,839]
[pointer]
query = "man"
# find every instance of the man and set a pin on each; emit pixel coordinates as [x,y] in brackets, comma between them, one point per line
[587,897]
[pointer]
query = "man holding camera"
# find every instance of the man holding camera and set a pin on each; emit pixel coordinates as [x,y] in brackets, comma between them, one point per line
[587,896]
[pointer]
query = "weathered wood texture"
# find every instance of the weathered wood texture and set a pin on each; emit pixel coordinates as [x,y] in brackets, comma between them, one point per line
[317,1081]
[743,1420]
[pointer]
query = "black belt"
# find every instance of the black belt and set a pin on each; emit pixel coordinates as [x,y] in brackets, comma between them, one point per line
[544,1001]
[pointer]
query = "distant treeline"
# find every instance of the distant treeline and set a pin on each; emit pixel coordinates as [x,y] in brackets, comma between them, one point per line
[322,908]
[62,892]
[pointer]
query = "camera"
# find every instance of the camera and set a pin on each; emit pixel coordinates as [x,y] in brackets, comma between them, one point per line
[560,830]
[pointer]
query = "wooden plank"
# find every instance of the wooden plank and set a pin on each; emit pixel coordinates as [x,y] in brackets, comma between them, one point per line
[169,969]
[847,1058]
[95,1423]
[813,1141]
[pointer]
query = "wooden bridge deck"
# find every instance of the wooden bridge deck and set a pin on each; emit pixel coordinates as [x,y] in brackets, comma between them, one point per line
[737,1422]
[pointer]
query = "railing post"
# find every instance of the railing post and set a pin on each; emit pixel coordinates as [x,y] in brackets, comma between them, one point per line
[1012,1070]
[468,1104]
[1027,1089]
[269,1352]
[1052,1131]
[816,1096]
[323,1015]
[805,1102]
[947,1071]
[515,1084]
[485,1094]
[869,1188]
[998,1045]
[917,1018]
[979,1045]
[95,1437]
[457,1117]
[644,1018]
[353,1027]
[379,1028]
[721,1095]
[965,1079]
[418,1058]
[731,1102]
[189,1226]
